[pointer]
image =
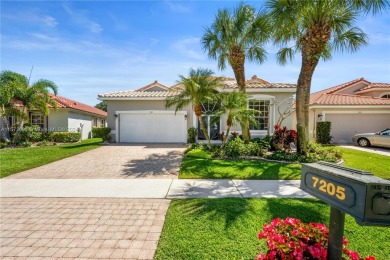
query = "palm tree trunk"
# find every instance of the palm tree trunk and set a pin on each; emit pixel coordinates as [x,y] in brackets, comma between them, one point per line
[237,61]
[303,100]
[204,130]
[227,135]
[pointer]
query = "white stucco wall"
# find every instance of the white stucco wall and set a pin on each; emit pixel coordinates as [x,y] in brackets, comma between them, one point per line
[74,121]
[58,120]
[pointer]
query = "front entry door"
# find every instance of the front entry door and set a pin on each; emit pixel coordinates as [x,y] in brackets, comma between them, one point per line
[212,125]
[211,122]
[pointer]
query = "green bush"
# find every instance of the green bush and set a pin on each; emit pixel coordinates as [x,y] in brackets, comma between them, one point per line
[65,137]
[3,144]
[191,135]
[198,153]
[254,149]
[323,132]
[234,148]
[30,134]
[25,144]
[101,132]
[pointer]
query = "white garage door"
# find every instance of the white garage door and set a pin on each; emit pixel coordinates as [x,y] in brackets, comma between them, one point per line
[152,127]
[345,126]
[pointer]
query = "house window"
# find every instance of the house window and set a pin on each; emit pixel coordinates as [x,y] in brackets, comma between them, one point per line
[95,122]
[386,96]
[102,123]
[262,106]
[37,119]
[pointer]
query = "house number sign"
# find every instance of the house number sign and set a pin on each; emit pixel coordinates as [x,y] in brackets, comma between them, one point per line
[330,189]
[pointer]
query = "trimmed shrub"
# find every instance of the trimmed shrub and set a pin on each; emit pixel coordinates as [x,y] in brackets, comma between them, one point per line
[30,134]
[198,153]
[101,132]
[65,137]
[191,135]
[235,148]
[323,132]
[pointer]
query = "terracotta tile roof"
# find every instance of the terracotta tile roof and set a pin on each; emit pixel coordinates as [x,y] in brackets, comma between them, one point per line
[69,103]
[139,94]
[229,83]
[330,96]
[63,102]
[151,85]
[345,99]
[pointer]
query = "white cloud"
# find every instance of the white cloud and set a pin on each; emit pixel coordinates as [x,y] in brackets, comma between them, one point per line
[177,8]
[189,47]
[81,19]
[31,16]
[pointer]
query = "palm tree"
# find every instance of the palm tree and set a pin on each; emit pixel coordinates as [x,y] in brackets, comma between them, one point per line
[200,86]
[34,97]
[233,105]
[317,28]
[235,36]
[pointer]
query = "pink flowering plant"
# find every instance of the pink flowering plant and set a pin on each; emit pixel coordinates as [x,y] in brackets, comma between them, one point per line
[290,238]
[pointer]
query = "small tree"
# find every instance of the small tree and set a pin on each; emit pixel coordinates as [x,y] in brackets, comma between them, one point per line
[102,105]
[36,96]
[200,86]
[234,106]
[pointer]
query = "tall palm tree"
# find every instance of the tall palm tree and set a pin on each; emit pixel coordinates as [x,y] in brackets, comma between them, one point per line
[233,105]
[199,87]
[235,36]
[316,28]
[31,97]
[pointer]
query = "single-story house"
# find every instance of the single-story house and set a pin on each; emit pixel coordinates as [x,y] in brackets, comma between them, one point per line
[358,106]
[141,116]
[70,116]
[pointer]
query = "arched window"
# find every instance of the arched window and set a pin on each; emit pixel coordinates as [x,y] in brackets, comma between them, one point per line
[385,96]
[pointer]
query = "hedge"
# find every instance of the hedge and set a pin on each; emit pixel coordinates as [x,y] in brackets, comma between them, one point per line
[323,132]
[65,137]
[101,132]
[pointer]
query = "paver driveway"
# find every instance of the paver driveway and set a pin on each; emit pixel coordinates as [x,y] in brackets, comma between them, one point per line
[80,228]
[90,228]
[113,162]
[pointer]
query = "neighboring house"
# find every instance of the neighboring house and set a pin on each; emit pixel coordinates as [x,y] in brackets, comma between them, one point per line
[141,115]
[71,116]
[358,106]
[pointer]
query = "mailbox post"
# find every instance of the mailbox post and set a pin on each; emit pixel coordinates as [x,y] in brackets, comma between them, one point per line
[358,193]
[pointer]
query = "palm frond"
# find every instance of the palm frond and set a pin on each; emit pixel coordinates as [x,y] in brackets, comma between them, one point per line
[350,40]
[285,54]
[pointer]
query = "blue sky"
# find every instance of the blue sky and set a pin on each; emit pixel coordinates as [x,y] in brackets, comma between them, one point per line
[92,47]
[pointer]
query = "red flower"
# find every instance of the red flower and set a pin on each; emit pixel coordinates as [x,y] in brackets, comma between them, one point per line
[315,250]
[369,258]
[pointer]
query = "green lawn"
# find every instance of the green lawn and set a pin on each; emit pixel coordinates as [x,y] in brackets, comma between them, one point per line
[377,164]
[20,159]
[195,168]
[227,228]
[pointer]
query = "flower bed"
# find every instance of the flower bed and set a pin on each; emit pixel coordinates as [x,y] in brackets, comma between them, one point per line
[292,239]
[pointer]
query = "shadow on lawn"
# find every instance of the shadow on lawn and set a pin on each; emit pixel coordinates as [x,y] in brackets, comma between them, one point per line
[307,210]
[80,145]
[154,166]
[241,169]
[230,209]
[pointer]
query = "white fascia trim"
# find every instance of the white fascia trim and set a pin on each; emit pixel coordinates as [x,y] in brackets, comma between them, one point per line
[259,90]
[324,113]
[356,112]
[150,112]
[350,107]
[135,98]
[371,89]
[260,96]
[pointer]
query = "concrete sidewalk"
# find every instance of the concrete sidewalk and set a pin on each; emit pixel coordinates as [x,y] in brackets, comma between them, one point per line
[150,188]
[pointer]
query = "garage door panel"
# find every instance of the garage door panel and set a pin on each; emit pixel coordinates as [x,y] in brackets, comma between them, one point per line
[345,126]
[152,127]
